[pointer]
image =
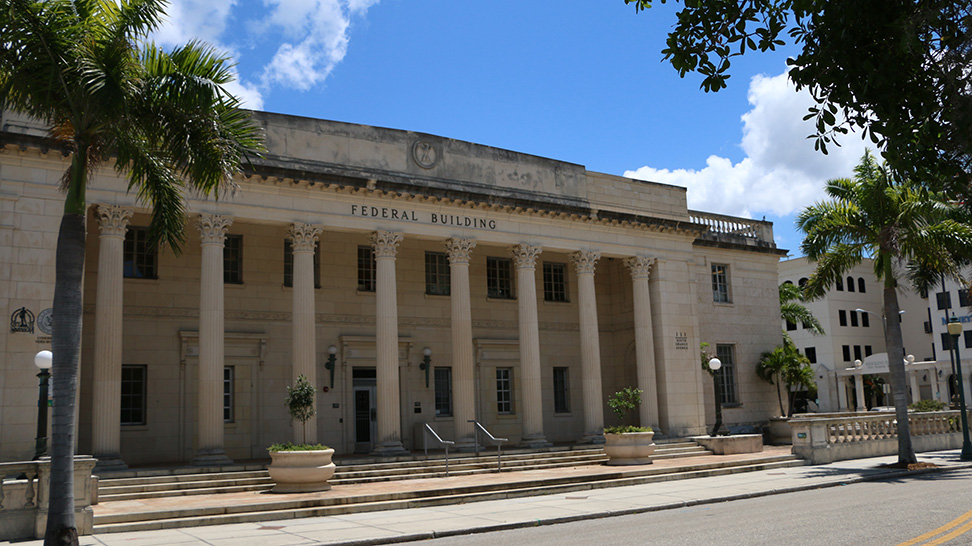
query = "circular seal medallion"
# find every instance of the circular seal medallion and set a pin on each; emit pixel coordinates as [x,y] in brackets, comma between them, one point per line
[45,321]
[424,154]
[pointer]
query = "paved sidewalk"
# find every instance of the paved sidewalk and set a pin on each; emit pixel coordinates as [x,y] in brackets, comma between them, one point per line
[394,526]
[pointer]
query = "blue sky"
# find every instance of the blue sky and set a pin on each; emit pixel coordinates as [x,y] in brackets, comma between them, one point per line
[577,81]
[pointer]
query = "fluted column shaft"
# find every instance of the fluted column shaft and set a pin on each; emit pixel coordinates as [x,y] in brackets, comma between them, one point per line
[525,257]
[842,394]
[106,388]
[209,446]
[386,302]
[640,268]
[590,345]
[859,388]
[915,389]
[463,372]
[303,238]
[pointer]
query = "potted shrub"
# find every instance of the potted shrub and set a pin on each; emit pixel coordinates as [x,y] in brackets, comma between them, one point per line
[300,468]
[627,444]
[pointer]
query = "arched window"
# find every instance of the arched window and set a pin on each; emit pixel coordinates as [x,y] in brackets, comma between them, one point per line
[860,285]
[840,284]
[850,284]
[787,282]
[803,282]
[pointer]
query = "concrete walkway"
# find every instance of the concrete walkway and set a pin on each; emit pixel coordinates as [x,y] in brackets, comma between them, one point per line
[394,526]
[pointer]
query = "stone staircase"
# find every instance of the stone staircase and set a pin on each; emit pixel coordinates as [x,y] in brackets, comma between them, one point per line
[563,471]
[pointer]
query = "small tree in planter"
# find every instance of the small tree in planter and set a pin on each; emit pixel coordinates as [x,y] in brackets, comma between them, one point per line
[627,444]
[301,468]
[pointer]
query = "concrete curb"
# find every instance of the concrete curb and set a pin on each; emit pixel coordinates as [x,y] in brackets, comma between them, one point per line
[642,510]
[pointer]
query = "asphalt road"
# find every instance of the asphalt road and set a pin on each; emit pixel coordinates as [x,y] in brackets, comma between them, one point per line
[924,510]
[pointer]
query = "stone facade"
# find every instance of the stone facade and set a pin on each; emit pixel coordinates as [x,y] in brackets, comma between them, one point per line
[457,232]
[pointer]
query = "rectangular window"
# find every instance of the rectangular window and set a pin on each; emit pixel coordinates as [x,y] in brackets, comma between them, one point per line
[443,391]
[366,269]
[845,349]
[868,351]
[865,322]
[968,339]
[229,373]
[288,272]
[133,394]
[857,352]
[842,317]
[554,281]
[944,300]
[963,297]
[853,317]
[946,341]
[499,278]
[233,259]
[727,373]
[141,260]
[790,326]
[504,391]
[720,283]
[437,274]
[561,390]
[811,353]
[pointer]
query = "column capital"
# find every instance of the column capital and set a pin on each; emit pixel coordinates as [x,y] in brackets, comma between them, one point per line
[459,250]
[212,228]
[525,256]
[303,236]
[113,220]
[585,261]
[640,266]
[386,243]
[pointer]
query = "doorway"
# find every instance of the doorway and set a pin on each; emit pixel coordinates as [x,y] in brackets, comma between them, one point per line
[364,395]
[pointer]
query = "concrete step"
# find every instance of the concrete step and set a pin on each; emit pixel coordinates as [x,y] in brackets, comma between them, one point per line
[267,510]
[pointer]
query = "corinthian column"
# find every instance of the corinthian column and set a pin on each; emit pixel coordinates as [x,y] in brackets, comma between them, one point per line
[106,390]
[463,386]
[584,264]
[386,303]
[303,237]
[525,257]
[209,444]
[640,267]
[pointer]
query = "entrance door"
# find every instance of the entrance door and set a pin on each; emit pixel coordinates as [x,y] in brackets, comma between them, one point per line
[365,409]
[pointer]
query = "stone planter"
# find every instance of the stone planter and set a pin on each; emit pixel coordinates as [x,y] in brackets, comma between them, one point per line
[780,432]
[629,448]
[301,471]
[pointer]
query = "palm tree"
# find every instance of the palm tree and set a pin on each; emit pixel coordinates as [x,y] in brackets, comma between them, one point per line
[83,68]
[784,364]
[895,222]
[793,311]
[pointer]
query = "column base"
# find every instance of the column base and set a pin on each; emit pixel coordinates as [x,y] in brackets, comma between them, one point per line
[109,463]
[534,442]
[390,449]
[592,438]
[211,457]
[467,445]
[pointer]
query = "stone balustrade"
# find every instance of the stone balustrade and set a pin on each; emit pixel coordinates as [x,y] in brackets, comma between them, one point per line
[825,438]
[25,492]
[720,224]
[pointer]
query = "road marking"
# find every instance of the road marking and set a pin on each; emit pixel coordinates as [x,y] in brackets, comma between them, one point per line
[954,523]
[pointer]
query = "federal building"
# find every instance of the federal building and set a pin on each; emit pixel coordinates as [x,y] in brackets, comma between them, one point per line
[412,279]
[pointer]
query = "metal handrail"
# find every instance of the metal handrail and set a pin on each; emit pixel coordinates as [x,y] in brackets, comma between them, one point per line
[497,441]
[444,443]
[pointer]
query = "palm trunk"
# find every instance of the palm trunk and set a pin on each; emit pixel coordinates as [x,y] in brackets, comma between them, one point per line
[66,349]
[780,397]
[892,338]
[65,345]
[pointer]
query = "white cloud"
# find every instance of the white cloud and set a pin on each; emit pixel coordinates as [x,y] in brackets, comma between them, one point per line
[781,172]
[317,39]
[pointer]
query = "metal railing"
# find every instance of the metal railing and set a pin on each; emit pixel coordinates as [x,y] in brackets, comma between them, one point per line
[490,437]
[444,443]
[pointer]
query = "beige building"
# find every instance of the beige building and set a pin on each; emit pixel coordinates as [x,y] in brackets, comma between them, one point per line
[412,278]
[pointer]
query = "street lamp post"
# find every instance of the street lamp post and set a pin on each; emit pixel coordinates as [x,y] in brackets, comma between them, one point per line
[43,361]
[955,330]
[714,365]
